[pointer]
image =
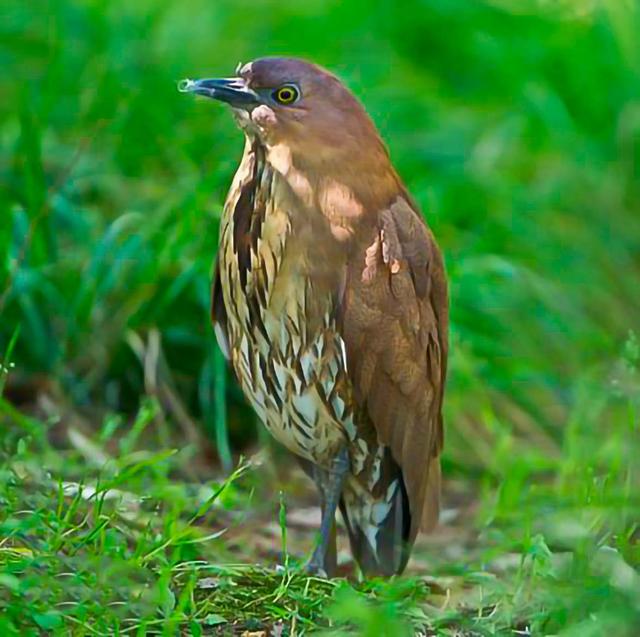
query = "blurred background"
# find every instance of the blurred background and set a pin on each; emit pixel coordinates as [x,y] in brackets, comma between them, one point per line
[516,126]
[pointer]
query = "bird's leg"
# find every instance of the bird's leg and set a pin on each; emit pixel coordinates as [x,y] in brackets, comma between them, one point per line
[330,483]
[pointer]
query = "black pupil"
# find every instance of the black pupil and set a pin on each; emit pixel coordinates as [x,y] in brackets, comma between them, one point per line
[286,94]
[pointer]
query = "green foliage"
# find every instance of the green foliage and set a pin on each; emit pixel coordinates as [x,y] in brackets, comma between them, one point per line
[516,125]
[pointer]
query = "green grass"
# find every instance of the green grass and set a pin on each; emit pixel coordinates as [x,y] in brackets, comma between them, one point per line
[109,537]
[516,125]
[126,552]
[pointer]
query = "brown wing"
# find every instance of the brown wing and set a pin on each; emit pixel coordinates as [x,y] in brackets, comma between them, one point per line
[395,324]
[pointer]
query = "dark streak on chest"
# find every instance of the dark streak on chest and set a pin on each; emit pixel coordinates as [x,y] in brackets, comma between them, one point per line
[248,214]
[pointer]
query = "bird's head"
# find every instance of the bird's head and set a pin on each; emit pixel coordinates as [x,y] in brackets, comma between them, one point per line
[291,104]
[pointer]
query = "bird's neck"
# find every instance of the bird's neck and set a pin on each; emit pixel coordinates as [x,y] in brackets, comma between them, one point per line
[325,182]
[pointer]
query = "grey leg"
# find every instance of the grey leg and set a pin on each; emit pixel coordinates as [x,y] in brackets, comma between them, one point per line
[330,483]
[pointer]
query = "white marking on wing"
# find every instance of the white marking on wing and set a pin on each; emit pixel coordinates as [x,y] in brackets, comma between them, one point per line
[371,532]
[297,383]
[307,362]
[343,347]
[281,373]
[379,512]
[223,343]
[391,490]
[338,405]
[306,406]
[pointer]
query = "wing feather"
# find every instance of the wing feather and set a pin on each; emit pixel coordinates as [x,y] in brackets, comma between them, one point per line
[395,324]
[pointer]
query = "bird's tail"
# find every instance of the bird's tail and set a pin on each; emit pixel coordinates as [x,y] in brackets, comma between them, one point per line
[378,527]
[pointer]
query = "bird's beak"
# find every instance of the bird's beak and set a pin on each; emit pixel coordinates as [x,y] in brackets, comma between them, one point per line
[232,90]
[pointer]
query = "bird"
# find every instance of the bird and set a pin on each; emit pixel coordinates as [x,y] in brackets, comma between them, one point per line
[330,301]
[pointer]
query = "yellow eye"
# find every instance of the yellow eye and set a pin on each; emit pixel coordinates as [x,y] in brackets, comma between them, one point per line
[286,94]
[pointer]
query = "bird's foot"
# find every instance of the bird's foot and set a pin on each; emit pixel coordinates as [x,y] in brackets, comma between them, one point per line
[314,567]
[323,560]
[317,565]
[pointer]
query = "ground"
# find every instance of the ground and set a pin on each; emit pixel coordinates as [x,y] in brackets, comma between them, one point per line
[102,535]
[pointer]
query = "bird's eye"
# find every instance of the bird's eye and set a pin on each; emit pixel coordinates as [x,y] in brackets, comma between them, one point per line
[286,94]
